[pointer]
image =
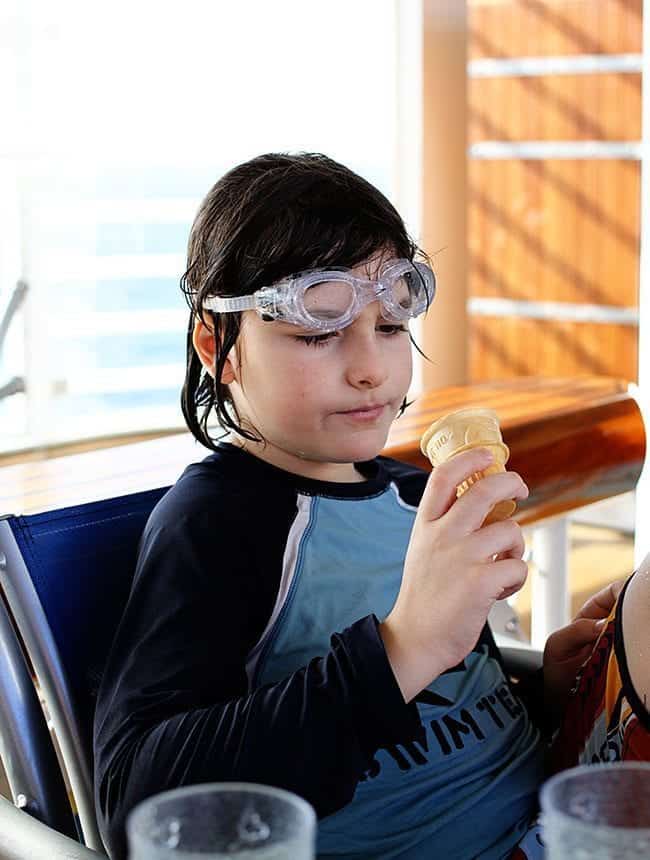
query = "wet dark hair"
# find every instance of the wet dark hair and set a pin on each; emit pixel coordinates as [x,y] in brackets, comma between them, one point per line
[266,219]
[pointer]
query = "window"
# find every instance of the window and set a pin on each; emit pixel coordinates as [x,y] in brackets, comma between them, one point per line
[120,117]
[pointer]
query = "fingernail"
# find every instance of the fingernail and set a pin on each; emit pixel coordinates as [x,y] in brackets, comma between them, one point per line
[601,622]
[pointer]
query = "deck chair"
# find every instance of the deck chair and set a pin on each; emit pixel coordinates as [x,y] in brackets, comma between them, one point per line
[64,580]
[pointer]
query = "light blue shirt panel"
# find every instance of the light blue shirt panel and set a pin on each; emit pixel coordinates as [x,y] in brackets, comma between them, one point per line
[349,564]
[468,791]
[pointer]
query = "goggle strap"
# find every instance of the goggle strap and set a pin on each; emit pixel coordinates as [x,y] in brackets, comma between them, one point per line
[231,304]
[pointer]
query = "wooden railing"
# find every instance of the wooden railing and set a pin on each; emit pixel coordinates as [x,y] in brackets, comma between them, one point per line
[574,441]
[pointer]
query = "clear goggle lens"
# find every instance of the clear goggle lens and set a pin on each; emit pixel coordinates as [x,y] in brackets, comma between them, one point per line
[407,289]
[330,300]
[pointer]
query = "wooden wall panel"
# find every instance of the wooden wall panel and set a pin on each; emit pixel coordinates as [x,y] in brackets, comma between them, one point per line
[528,28]
[505,347]
[563,231]
[554,230]
[555,107]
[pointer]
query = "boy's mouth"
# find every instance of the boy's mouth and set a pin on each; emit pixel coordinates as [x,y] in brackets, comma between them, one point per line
[368,412]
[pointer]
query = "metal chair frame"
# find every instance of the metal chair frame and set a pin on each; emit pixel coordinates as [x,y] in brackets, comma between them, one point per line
[17,384]
[26,749]
[32,625]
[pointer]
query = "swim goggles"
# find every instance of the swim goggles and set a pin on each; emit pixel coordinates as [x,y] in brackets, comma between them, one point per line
[331,299]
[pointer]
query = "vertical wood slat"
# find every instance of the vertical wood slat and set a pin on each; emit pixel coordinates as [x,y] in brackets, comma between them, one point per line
[603,106]
[520,28]
[554,231]
[506,347]
[584,110]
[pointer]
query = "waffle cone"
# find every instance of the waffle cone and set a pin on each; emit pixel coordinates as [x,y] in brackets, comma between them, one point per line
[461,431]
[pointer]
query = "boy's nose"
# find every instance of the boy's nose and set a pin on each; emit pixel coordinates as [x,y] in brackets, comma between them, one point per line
[367,365]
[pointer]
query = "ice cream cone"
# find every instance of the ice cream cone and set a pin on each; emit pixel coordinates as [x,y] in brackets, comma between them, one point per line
[470,428]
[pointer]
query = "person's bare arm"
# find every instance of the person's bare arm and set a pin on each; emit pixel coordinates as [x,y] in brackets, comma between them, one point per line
[636,631]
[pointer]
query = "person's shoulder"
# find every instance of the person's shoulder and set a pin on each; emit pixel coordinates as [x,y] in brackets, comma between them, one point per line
[410,480]
[636,630]
[222,487]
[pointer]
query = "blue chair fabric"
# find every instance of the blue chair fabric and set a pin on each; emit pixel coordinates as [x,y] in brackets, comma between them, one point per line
[81,561]
[65,577]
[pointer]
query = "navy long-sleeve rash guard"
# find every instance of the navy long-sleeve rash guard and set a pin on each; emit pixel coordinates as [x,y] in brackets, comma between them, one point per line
[185,697]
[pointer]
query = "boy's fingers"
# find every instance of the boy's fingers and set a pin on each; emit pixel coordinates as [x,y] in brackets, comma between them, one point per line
[469,512]
[440,493]
[509,575]
[504,539]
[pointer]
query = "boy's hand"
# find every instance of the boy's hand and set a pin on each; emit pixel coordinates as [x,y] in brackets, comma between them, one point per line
[451,579]
[567,648]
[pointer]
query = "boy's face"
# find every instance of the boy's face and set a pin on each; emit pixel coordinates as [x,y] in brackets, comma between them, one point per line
[321,402]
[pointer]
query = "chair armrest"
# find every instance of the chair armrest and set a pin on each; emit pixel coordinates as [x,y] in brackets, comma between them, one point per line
[521,661]
[24,838]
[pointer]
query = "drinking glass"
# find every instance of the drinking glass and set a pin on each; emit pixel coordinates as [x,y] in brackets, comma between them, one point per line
[597,812]
[219,821]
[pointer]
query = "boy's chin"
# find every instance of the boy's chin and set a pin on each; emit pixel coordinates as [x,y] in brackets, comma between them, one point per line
[358,450]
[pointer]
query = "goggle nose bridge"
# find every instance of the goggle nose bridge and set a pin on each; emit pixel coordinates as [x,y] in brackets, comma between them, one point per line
[371,290]
[366,292]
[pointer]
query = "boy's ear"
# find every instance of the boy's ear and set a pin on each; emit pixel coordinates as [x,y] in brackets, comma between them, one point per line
[203,340]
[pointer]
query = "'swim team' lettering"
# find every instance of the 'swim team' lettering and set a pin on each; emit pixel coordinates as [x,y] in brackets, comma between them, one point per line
[451,733]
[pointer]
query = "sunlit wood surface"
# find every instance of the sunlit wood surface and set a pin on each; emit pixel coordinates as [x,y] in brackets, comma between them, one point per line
[561,231]
[573,440]
[554,230]
[62,481]
[531,28]
[503,347]
[603,106]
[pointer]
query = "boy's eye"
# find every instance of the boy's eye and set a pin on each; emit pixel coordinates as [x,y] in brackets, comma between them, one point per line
[391,328]
[322,339]
[317,339]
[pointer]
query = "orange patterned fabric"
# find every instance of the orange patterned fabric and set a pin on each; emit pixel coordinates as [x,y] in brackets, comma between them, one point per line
[605,720]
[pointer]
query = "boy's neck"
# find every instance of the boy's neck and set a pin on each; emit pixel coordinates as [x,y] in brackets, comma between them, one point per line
[339,473]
